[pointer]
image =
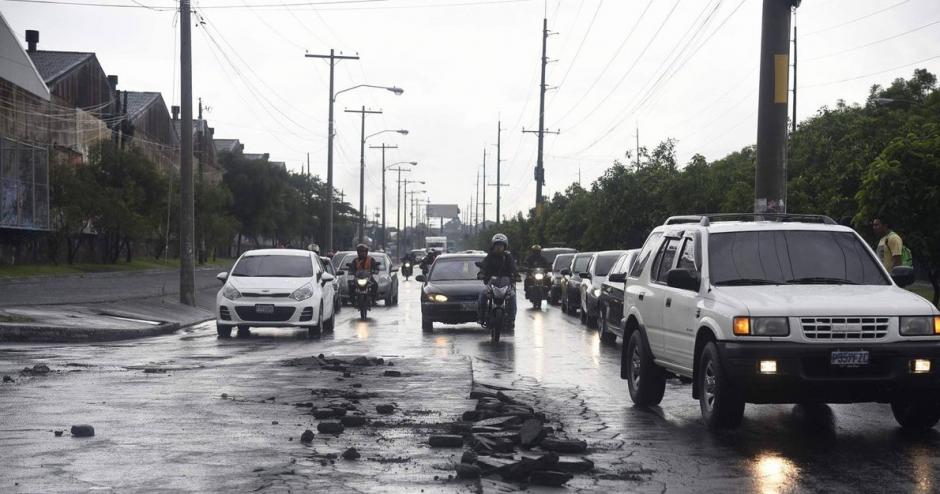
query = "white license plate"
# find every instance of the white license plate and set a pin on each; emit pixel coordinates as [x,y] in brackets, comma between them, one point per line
[264,309]
[849,359]
[468,306]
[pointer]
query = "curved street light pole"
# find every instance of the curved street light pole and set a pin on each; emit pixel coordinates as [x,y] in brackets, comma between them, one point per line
[362,176]
[398,204]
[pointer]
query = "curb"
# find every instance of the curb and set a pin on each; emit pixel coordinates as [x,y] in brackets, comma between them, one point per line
[64,334]
[102,274]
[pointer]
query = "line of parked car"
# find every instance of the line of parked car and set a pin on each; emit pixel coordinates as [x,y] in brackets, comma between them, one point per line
[759,309]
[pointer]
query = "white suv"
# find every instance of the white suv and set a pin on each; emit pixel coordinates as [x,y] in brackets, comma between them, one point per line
[777,309]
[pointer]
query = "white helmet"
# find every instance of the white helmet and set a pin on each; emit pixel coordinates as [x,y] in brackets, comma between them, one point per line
[499,238]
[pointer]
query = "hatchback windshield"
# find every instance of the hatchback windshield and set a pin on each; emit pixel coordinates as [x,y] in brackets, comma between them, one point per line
[791,257]
[562,262]
[454,270]
[274,266]
[604,263]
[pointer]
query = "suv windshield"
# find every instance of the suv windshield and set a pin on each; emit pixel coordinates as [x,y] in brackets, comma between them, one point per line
[274,266]
[604,263]
[562,261]
[454,269]
[791,257]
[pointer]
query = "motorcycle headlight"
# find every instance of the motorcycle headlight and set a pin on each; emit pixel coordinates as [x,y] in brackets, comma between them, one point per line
[362,282]
[229,292]
[597,292]
[437,297]
[539,276]
[407,265]
[920,326]
[302,293]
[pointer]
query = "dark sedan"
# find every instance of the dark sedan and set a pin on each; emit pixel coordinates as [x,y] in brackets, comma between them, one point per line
[571,283]
[451,290]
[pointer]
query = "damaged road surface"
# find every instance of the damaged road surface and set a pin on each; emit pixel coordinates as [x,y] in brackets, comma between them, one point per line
[381,406]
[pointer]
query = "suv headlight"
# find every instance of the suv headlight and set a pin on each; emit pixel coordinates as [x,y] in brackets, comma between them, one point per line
[302,293]
[761,326]
[229,292]
[920,326]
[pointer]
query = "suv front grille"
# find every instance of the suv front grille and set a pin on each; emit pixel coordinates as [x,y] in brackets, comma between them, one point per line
[844,328]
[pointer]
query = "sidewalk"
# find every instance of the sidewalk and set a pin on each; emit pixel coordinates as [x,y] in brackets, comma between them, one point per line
[101,306]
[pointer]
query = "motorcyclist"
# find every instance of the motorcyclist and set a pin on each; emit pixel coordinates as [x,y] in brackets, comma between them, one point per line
[499,263]
[365,262]
[533,261]
[314,248]
[429,260]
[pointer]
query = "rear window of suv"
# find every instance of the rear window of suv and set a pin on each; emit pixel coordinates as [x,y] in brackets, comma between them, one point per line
[791,257]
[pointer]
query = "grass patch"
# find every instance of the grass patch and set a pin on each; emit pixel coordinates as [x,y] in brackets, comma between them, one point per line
[140,264]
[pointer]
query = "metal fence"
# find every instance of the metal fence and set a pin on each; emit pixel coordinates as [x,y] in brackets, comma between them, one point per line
[24,185]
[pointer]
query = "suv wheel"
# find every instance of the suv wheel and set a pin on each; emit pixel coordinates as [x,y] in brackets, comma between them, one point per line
[916,414]
[606,336]
[564,304]
[646,381]
[722,406]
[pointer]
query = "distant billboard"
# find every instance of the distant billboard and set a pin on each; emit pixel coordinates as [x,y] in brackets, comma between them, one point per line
[443,211]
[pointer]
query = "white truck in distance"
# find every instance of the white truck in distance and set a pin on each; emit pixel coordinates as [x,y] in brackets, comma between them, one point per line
[436,243]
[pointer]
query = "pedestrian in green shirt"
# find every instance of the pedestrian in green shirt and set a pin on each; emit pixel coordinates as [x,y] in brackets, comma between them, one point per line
[890,245]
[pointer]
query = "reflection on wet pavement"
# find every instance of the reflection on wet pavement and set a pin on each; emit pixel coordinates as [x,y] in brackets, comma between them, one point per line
[779,448]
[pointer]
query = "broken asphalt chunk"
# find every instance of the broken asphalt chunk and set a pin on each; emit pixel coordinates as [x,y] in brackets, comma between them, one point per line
[351,454]
[353,421]
[467,471]
[385,409]
[468,457]
[446,441]
[307,436]
[82,431]
[471,416]
[330,427]
[362,361]
[482,443]
[392,373]
[563,445]
[500,422]
[575,465]
[549,477]
[531,433]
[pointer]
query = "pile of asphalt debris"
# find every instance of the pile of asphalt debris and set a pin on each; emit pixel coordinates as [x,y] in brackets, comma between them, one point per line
[509,438]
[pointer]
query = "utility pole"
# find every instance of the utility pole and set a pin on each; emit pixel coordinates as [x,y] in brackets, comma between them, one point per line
[638,145]
[329,145]
[476,207]
[499,166]
[383,147]
[362,169]
[540,163]
[187,194]
[770,180]
[484,187]
[398,215]
[793,120]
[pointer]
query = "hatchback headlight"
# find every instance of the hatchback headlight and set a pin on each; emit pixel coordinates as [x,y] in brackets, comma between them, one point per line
[761,326]
[362,281]
[302,293]
[920,326]
[229,292]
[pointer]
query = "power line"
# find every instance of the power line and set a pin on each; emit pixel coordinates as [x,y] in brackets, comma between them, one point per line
[866,45]
[849,79]
[580,46]
[851,21]
[609,63]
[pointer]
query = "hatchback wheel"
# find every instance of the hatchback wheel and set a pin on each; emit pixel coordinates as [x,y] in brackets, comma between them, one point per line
[916,414]
[722,405]
[314,331]
[645,380]
[223,330]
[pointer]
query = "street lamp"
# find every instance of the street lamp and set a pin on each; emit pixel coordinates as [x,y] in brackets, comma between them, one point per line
[329,145]
[891,101]
[362,176]
[398,204]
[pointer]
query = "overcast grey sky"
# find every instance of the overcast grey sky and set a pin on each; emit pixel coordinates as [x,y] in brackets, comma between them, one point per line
[466,63]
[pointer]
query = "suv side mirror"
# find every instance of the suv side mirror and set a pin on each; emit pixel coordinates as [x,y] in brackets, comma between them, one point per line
[223,276]
[420,278]
[340,273]
[902,275]
[685,279]
[617,278]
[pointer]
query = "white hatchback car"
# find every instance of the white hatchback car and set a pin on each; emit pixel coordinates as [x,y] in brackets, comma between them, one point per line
[275,288]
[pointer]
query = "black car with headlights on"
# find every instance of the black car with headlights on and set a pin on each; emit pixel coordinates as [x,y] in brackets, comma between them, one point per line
[451,290]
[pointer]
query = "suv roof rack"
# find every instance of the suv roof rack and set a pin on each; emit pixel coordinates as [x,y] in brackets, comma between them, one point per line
[706,219]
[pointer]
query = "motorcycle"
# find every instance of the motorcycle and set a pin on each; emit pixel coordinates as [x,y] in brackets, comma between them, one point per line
[537,285]
[498,291]
[407,269]
[361,293]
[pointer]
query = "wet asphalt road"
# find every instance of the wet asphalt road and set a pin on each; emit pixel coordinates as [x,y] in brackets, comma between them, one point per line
[842,448]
